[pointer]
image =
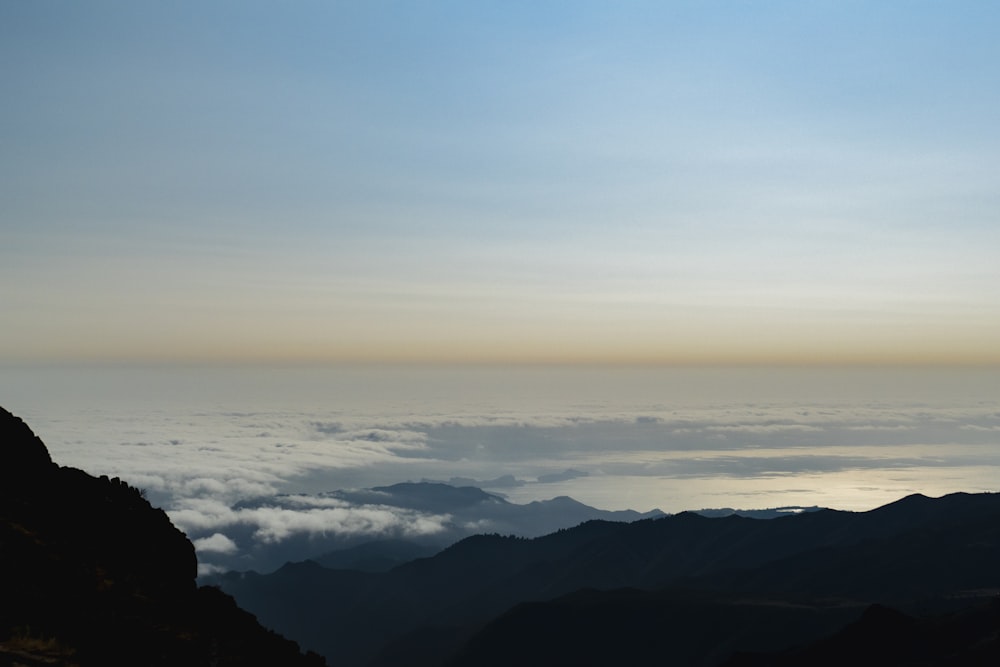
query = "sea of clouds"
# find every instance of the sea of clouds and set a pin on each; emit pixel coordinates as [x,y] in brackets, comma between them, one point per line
[241,459]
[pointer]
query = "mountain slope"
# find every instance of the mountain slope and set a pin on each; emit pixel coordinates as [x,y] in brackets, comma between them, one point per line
[92,574]
[884,636]
[923,554]
[824,566]
[634,627]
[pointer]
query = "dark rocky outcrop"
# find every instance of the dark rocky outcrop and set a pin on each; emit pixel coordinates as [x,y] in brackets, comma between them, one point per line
[23,457]
[92,574]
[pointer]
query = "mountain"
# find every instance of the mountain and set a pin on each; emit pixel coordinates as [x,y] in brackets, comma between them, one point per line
[769,513]
[375,556]
[629,626]
[456,511]
[92,574]
[424,496]
[460,511]
[687,589]
[884,636]
[927,556]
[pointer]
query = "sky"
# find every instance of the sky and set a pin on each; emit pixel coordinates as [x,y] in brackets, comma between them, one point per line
[677,182]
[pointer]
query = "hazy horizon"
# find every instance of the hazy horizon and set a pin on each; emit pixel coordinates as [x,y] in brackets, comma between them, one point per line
[678,436]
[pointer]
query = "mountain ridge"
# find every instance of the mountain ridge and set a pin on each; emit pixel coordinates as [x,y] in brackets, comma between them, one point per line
[732,566]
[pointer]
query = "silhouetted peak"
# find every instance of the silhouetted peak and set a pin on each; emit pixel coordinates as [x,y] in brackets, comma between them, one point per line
[301,567]
[22,453]
[945,508]
[434,496]
[559,502]
[881,615]
[912,500]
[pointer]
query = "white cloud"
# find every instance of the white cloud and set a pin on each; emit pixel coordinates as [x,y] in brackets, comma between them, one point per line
[274,524]
[308,515]
[216,543]
[763,428]
[201,514]
[301,500]
[206,569]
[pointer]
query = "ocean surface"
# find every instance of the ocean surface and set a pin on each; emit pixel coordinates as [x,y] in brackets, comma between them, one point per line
[672,438]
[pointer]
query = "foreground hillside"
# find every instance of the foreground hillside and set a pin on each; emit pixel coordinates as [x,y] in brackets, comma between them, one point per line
[91,574]
[681,590]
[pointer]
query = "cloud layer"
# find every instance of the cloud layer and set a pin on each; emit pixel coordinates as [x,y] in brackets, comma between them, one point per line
[216,456]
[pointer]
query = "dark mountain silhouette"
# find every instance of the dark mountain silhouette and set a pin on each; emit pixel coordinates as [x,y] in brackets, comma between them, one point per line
[952,548]
[92,574]
[426,496]
[884,636]
[375,556]
[716,585]
[635,627]
[923,554]
[769,513]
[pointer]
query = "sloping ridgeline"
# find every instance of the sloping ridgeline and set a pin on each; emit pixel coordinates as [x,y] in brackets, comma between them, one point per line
[92,574]
[681,590]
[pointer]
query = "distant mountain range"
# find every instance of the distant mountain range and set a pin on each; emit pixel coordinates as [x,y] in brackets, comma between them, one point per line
[681,590]
[461,511]
[471,507]
[92,575]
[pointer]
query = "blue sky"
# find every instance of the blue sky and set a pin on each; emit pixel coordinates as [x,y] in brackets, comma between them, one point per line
[500,181]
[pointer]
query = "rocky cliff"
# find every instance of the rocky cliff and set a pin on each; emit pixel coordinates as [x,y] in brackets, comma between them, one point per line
[92,574]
